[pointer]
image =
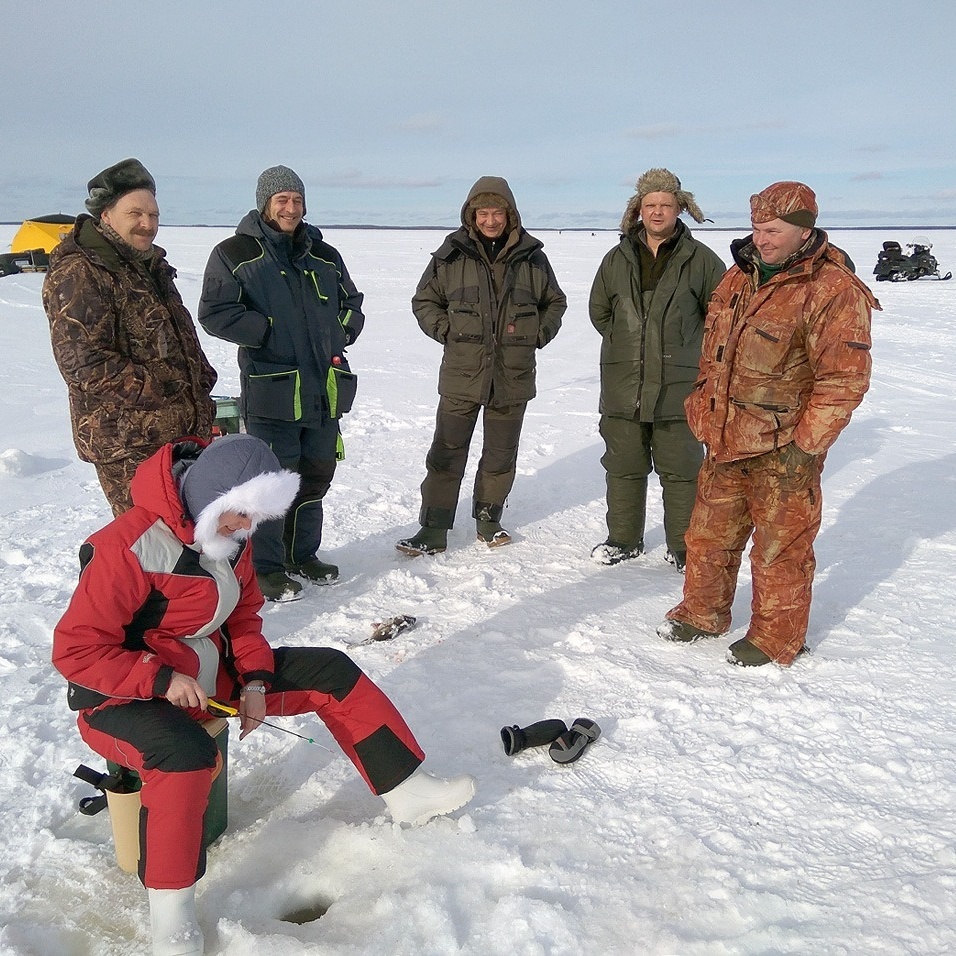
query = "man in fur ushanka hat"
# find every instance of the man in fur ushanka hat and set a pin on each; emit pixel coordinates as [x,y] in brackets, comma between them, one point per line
[122,339]
[648,301]
[166,618]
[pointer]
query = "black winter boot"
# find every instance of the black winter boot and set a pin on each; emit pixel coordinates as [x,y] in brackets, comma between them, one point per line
[516,739]
[427,541]
[568,747]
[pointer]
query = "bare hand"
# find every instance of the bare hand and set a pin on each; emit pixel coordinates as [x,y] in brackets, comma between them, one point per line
[185,691]
[252,711]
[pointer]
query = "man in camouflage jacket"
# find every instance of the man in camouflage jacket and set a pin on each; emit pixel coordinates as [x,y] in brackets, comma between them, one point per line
[122,338]
[648,301]
[490,297]
[785,361]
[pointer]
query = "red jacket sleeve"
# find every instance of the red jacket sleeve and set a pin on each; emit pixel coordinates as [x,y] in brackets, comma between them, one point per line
[88,640]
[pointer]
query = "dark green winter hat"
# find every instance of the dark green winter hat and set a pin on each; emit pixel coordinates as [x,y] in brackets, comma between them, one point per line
[115,182]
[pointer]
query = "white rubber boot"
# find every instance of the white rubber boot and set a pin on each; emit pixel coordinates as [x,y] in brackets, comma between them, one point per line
[421,796]
[174,924]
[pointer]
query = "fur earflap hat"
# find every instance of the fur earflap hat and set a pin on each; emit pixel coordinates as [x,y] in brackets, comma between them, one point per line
[111,184]
[792,202]
[235,473]
[658,180]
[278,179]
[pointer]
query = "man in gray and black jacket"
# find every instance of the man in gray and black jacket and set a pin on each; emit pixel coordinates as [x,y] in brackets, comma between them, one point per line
[284,296]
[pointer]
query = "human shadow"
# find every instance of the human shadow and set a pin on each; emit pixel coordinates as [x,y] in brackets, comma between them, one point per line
[878,528]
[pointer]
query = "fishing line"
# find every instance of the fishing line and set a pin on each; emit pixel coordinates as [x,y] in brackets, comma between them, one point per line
[228,711]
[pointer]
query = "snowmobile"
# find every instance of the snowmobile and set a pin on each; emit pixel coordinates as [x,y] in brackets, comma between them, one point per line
[893,265]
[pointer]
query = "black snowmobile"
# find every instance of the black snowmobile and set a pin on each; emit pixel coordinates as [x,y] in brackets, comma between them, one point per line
[893,265]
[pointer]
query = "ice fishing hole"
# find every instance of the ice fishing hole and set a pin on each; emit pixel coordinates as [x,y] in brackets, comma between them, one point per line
[307,913]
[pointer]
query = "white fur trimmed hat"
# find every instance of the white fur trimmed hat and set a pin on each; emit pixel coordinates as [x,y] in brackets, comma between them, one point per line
[235,473]
[658,180]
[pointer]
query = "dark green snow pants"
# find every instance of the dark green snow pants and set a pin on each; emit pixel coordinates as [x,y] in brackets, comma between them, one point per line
[448,455]
[633,448]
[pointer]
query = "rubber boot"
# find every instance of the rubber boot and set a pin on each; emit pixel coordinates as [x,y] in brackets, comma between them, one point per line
[515,738]
[173,922]
[427,541]
[492,534]
[421,796]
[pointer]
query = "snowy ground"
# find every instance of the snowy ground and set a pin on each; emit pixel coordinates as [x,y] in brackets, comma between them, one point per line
[807,810]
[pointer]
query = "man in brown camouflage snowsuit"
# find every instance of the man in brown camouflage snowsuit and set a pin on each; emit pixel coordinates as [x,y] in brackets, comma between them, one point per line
[122,338]
[785,361]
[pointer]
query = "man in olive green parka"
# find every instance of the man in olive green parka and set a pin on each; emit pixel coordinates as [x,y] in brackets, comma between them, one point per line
[648,301]
[490,298]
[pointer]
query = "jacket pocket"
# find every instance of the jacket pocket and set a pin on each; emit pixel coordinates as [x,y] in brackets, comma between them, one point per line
[342,386]
[464,317]
[764,348]
[274,394]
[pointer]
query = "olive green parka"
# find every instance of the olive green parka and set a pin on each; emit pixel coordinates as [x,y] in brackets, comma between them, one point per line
[650,357]
[490,317]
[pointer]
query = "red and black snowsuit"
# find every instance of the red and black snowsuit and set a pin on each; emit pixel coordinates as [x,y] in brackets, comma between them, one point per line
[144,593]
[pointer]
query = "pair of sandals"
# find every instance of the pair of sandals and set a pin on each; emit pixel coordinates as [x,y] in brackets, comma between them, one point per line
[566,745]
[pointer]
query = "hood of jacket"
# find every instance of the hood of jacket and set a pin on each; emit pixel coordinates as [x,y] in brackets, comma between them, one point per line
[155,486]
[498,186]
[815,252]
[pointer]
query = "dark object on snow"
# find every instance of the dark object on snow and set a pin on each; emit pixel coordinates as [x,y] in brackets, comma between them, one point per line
[516,739]
[33,260]
[386,630]
[121,781]
[893,265]
[568,747]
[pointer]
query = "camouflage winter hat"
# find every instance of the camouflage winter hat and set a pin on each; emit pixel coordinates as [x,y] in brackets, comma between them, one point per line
[113,183]
[659,180]
[278,179]
[792,202]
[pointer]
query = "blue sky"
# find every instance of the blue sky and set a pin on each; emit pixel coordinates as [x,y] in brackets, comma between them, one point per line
[390,111]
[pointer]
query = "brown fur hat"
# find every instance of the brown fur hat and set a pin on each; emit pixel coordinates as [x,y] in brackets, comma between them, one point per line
[658,180]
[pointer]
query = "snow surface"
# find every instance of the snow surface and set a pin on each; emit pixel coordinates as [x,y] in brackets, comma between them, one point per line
[723,810]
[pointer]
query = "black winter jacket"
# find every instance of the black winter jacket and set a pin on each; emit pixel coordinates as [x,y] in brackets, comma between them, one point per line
[289,304]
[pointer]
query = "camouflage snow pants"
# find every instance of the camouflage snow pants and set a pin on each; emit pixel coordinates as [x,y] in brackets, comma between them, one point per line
[782,511]
[115,477]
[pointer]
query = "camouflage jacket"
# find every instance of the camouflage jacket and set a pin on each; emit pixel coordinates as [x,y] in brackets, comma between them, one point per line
[126,348]
[786,361]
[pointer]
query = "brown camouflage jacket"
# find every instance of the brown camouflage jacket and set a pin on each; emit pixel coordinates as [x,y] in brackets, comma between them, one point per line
[786,361]
[126,348]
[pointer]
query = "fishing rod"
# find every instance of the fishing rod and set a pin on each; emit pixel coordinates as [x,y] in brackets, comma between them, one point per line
[228,711]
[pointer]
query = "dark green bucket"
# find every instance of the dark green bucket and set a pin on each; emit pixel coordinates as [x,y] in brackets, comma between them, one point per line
[217,810]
